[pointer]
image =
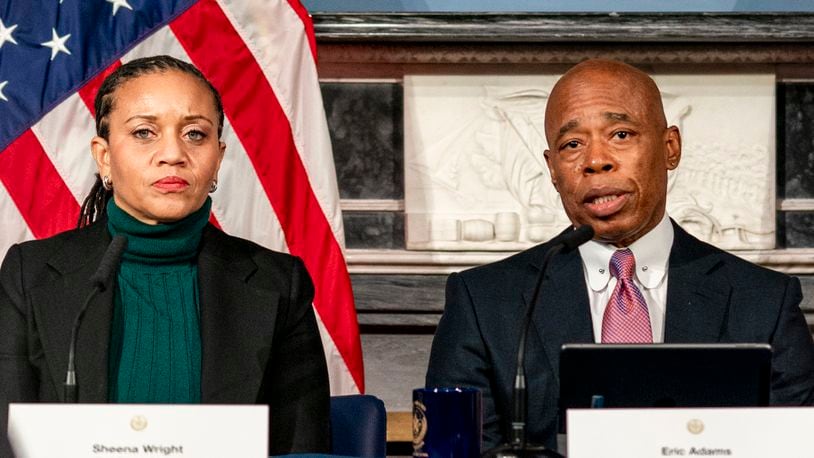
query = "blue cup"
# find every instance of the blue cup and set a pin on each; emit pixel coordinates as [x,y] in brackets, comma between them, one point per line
[447,422]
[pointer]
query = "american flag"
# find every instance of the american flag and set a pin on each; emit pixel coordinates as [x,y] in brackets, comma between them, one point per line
[277,181]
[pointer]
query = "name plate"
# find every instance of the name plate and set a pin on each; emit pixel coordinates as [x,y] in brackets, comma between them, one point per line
[730,432]
[123,430]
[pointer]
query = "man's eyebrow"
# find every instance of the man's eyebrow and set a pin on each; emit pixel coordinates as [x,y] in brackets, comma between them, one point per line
[572,124]
[616,116]
[609,115]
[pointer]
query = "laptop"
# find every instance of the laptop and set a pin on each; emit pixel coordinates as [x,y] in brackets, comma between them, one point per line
[664,375]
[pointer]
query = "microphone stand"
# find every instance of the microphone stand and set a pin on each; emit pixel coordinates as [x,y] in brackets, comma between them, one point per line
[518,446]
[69,387]
[100,279]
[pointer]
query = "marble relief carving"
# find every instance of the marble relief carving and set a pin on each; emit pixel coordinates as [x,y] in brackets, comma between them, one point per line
[475,175]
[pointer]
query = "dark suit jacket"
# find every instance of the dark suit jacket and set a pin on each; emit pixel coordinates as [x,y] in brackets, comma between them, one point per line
[259,338]
[712,296]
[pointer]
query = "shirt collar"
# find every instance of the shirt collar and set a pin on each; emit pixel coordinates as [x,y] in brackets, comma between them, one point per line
[652,252]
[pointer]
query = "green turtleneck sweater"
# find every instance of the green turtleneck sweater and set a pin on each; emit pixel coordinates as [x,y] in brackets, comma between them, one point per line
[155,341]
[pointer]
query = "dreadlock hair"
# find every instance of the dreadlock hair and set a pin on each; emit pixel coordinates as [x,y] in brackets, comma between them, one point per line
[95,202]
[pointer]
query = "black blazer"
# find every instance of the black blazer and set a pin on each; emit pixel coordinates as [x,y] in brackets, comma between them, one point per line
[712,296]
[259,338]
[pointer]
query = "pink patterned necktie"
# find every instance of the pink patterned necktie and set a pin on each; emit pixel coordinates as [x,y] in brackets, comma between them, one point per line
[626,318]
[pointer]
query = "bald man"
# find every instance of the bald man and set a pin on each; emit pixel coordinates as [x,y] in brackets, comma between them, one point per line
[641,279]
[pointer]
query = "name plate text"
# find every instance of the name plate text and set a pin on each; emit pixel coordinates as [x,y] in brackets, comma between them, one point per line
[729,432]
[108,430]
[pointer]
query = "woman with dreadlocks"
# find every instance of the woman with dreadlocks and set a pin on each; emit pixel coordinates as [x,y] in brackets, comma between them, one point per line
[194,315]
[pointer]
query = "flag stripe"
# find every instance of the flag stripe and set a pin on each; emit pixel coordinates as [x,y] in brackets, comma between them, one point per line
[89,90]
[67,144]
[288,65]
[47,207]
[278,165]
[13,228]
[241,202]
[306,22]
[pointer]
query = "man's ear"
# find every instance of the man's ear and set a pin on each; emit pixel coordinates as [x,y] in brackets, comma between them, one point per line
[100,150]
[547,155]
[672,147]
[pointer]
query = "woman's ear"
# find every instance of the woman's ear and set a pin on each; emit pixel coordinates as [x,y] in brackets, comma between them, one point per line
[222,148]
[100,150]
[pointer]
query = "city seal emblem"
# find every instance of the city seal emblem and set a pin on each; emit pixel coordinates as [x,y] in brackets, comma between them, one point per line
[695,426]
[138,423]
[419,428]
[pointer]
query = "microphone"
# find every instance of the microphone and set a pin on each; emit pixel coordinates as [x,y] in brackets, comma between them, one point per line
[573,239]
[517,446]
[100,279]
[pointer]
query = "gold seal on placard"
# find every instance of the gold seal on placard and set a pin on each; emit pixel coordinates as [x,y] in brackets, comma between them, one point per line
[138,423]
[695,426]
[419,426]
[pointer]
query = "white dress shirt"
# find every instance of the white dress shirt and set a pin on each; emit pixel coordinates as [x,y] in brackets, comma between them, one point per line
[652,253]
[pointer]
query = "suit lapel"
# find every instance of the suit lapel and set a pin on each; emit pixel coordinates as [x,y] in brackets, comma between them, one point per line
[237,322]
[563,313]
[58,300]
[698,292]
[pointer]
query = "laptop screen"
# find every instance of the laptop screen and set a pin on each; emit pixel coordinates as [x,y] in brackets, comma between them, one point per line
[664,375]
